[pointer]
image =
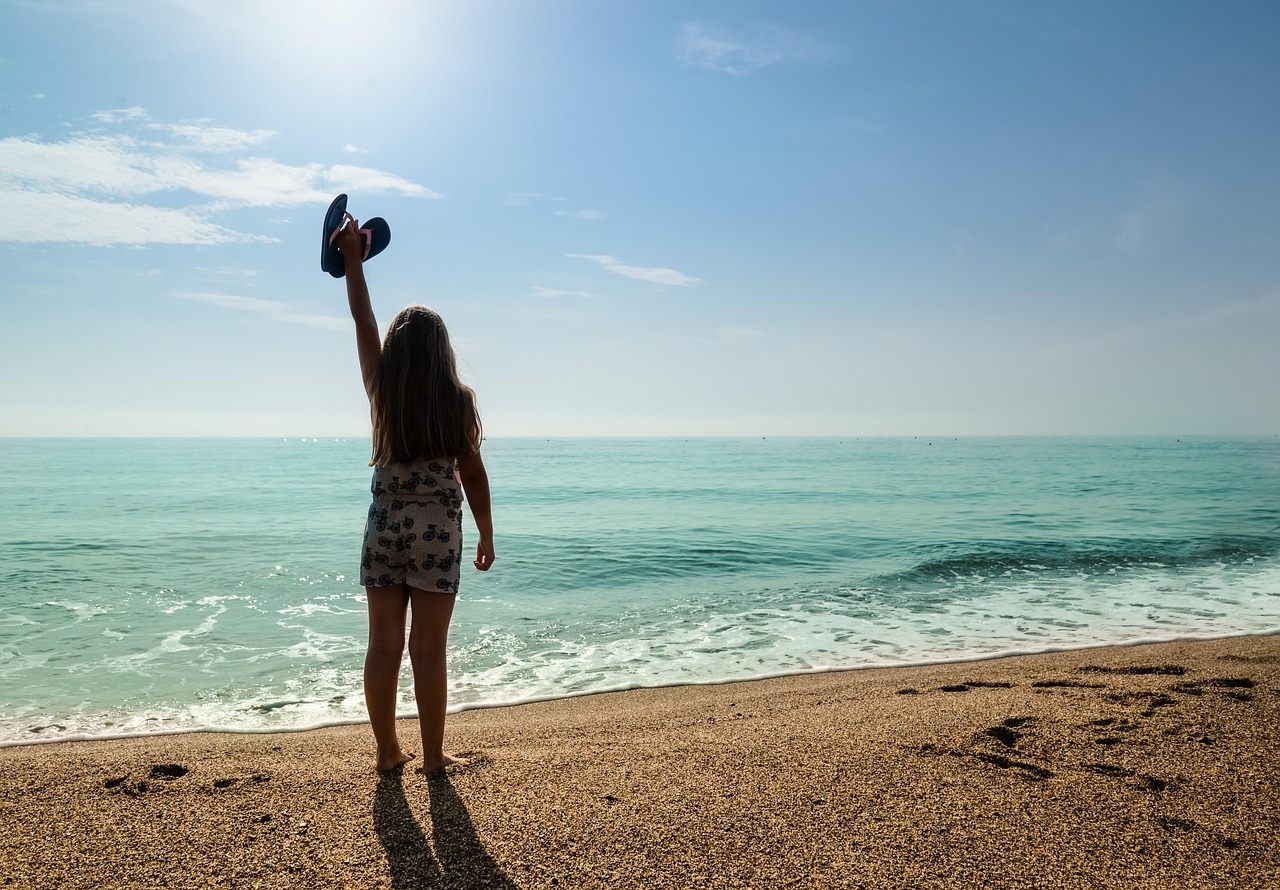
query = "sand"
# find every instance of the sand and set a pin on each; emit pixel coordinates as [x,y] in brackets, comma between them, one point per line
[1146,766]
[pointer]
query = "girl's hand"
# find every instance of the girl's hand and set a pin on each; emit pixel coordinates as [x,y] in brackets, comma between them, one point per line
[484,554]
[350,243]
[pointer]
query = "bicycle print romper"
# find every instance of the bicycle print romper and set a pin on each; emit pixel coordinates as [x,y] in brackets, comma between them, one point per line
[414,532]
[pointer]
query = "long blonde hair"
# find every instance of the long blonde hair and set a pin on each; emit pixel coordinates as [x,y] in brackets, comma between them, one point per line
[419,407]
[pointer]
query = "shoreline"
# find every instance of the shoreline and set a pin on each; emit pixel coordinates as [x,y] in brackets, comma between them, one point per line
[1144,765]
[487,706]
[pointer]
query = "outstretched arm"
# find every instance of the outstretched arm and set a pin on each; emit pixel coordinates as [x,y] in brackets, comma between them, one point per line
[368,343]
[475,485]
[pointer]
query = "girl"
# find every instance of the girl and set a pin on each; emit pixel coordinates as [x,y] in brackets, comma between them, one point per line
[426,452]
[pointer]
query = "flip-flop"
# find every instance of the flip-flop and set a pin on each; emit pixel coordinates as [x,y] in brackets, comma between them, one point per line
[376,235]
[330,258]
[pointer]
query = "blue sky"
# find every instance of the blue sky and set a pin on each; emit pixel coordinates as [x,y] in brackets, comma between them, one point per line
[693,218]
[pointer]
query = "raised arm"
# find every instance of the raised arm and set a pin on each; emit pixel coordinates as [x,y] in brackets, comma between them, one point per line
[475,485]
[368,343]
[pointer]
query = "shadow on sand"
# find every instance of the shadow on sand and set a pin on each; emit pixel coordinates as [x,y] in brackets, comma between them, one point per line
[454,858]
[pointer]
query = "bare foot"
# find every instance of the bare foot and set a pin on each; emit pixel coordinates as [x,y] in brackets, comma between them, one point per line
[433,766]
[386,764]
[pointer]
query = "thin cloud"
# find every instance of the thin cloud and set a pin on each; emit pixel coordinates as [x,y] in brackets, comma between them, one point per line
[651,274]
[366,179]
[215,139]
[524,199]
[354,149]
[232,271]
[97,188]
[35,217]
[746,52]
[120,115]
[269,309]
[553,292]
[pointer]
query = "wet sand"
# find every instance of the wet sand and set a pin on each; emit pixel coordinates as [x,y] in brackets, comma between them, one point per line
[1149,766]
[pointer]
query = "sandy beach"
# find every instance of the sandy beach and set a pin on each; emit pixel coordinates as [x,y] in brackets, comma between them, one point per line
[1146,766]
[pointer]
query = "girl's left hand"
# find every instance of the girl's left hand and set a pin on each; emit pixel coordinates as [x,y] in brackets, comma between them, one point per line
[484,555]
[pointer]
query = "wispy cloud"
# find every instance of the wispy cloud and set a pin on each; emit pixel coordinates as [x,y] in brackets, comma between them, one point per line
[200,136]
[366,179]
[231,271]
[354,149]
[161,183]
[34,217]
[553,292]
[526,199]
[270,309]
[37,96]
[747,51]
[120,115]
[651,274]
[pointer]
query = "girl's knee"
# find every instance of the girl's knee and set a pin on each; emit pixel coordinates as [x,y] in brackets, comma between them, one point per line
[386,647]
[425,651]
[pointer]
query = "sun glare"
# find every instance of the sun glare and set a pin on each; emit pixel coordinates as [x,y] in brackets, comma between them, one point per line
[325,40]
[343,33]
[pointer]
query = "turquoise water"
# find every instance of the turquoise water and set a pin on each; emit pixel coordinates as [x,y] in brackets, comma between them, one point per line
[166,584]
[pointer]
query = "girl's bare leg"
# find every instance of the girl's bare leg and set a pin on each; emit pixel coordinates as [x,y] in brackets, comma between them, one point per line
[428,637]
[387,608]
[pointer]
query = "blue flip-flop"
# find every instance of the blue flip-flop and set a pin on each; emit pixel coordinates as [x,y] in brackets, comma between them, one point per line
[330,257]
[375,235]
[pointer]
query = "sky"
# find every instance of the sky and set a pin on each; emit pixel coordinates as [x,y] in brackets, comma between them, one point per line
[647,218]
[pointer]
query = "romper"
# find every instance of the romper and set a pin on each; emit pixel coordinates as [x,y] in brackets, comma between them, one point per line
[414,532]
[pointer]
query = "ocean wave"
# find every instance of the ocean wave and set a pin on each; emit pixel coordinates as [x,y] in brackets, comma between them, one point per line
[1088,557]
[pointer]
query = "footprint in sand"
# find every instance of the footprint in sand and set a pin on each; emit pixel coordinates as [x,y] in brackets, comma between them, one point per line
[1112,724]
[1007,733]
[1066,684]
[1232,687]
[1138,670]
[1026,770]
[1151,700]
[233,780]
[976,684]
[1142,781]
[164,771]
[1174,824]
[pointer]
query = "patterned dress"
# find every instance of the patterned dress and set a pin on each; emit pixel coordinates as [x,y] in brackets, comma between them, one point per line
[414,532]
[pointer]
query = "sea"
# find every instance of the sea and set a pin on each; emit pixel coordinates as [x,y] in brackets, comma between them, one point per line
[161,585]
